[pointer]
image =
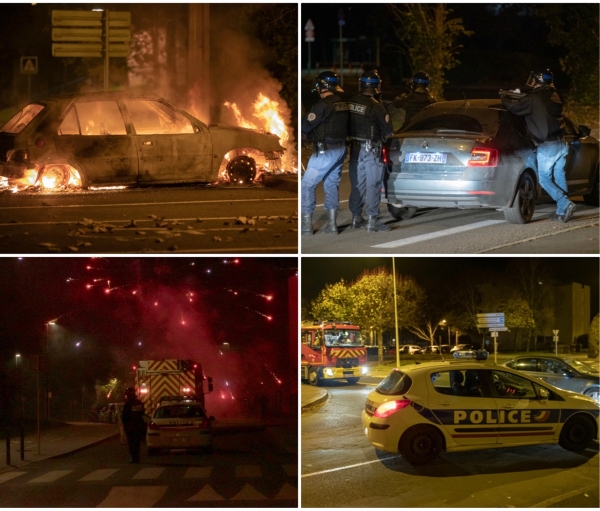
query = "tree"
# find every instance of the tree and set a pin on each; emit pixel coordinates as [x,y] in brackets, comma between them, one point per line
[428,37]
[432,312]
[373,302]
[333,303]
[593,338]
[575,27]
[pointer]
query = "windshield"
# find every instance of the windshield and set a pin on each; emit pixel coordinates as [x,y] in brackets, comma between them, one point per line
[20,120]
[582,367]
[396,383]
[343,338]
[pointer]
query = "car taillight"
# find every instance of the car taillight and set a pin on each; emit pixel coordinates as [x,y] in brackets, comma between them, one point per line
[153,426]
[39,143]
[384,155]
[387,409]
[483,157]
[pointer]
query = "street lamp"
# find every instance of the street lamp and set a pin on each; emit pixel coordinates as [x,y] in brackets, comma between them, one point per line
[17,357]
[48,394]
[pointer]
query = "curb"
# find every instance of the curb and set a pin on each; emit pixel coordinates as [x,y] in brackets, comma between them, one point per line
[317,401]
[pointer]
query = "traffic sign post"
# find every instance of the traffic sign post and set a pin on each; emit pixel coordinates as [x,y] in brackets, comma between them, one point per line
[91,34]
[555,339]
[495,337]
[29,66]
[309,37]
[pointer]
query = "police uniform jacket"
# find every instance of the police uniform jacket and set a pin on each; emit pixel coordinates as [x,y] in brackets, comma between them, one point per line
[542,110]
[413,103]
[369,119]
[132,416]
[327,121]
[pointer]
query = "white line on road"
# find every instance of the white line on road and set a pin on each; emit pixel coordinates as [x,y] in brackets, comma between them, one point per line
[348,466]
[51,476]
[99,475]
[438,234]
[149,473]
[133,496]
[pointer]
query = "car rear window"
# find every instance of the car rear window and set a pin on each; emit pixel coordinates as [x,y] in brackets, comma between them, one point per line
[396,383]
[472,120]
[21,119]
[179,412]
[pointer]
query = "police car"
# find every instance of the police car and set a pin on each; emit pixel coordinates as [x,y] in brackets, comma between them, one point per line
[421,410]
[179,422]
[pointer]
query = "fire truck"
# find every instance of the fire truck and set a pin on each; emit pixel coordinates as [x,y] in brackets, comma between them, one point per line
[332,351]
[170,377]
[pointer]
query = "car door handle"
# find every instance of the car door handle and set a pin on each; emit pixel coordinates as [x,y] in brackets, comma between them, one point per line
[507,406]
[147,143]
[445,403]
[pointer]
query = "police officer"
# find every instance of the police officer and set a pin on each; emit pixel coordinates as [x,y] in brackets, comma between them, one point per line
[326,126]
[418,98]
[132,418]
[369,127]
[542,110]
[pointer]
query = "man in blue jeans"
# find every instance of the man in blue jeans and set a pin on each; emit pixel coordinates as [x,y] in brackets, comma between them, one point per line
[326,126]
[542,110]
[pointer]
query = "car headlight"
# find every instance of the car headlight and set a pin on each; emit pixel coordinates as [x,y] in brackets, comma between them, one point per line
[364,370]
[329,372]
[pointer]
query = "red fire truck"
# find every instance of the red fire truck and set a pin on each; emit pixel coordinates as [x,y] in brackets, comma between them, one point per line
[332,351]
[170,377]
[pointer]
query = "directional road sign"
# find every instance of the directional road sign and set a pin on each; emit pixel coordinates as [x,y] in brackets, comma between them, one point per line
[498,329]
[89,50]
[90,35]
[116,19]
[490,319]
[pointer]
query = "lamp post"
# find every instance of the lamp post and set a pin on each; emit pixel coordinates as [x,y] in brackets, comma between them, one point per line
[47,403]
[17,357]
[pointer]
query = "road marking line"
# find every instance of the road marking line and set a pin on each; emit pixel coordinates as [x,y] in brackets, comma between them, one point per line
[100,474]
[198,472]
[347,466]
[133,496]
[69,206]
[78,223]
[205,494]
[51,476]
[248,471]
[149,473]
[10,475]
[438,234]
[248,493]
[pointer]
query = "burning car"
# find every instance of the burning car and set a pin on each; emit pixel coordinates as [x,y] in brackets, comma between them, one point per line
[125,139]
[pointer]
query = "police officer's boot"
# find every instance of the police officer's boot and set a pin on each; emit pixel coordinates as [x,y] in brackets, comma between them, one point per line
[331,226]
[307,228]
[374,225]
[358,222]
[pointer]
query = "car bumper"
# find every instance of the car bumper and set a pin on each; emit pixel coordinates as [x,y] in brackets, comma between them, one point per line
[339,373]
[184,441]
[383,436]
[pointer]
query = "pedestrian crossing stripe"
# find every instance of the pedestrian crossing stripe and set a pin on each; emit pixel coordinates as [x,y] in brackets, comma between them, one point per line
[7,476]
[100,474]
[206,494]
[248,493]
[51,476]
[133,496]
[149,473]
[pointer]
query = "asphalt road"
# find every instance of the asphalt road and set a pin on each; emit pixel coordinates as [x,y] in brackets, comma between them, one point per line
[247,469]
[340,468]
[453,231]
[185,219]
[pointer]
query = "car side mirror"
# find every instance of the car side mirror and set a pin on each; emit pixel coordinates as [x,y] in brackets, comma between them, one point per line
[543,394]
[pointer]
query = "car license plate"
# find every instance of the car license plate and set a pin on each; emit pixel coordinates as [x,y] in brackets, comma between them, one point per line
[425,158]
[180,440]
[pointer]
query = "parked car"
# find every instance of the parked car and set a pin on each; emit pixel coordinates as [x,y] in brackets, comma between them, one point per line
[179,424]
[562,372]
[474,154]
[125,138]
[462,347]
[411,349]
[421,410]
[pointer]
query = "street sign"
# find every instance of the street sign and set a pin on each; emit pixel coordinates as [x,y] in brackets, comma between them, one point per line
[498,329]
[309,31]
[490,319]
[555,332]
[90,35]
[89,50]
[491,315]
[116,19]
[29,65]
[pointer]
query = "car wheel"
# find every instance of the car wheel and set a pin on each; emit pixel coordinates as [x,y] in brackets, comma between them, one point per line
[53,176]
[313,377]
[524,202]
[241,169]
[352,381]
[594,393]
[420,444]
[592,198]
[577,434]
[400,213]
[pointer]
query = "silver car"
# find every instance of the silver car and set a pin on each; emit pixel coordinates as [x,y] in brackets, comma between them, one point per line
[562,372]
[474,154]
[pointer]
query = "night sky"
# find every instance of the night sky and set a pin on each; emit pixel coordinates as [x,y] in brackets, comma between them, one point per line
[319,271]
[125,309]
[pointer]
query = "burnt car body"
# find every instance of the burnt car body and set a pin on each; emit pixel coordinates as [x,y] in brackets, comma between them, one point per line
[123,138]
[474,154]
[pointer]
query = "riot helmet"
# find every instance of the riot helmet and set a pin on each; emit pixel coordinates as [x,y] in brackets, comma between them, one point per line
[420,80]
[327,81]
[369,82]
[540,77]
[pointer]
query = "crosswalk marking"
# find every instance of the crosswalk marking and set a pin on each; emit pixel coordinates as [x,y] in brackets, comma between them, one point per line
[287,492]
[197,472]
[7,476]
[51,476]
[133,496]
[149,473]
[248,471]
[248,493]
[100,474]
[206,494]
